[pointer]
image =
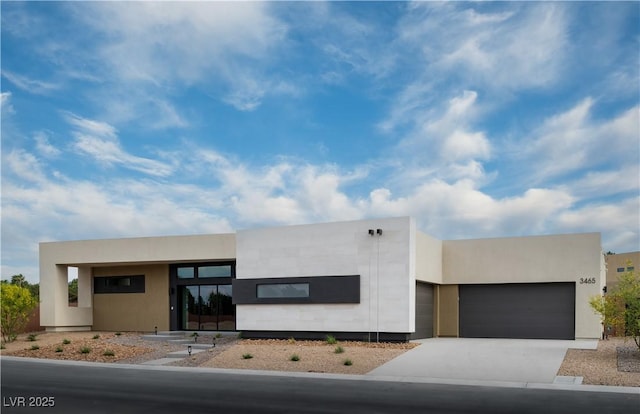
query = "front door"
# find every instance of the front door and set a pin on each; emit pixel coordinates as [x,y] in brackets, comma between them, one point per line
[207,308]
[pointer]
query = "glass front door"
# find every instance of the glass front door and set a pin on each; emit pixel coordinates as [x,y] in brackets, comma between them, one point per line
[207,308]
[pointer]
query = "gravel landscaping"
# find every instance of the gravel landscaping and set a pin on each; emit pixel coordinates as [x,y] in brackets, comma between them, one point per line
[615,362]
[51,345]
[313,356]
[605,366]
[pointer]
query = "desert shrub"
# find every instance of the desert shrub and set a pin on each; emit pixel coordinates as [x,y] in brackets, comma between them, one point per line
[96,336]
[331,340]
[108,352]
[2,346]
[32,337]
[66,341]
[339,349]
[348,362]
[247,356]
[118,333]
[34,347]
[292,340]
[59,349]
[218,335]
[294,358]
[85,350]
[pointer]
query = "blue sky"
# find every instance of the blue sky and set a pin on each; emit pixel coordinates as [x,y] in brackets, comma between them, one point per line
[478,119]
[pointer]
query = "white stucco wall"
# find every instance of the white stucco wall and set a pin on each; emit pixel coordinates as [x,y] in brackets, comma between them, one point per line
[387,284]
[428,258]
[536,259]
[56,257]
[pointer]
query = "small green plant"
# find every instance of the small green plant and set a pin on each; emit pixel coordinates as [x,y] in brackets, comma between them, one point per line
[108,352]
[2,346]
[66,342]
[59,349]
[294,358]
[247,356]
[348,362]
[292,340]
[338,349]
[218,335]
[96,336]
[118,333]
[239,335]
[331,340]
[32,337]
[34,347]
[85,350]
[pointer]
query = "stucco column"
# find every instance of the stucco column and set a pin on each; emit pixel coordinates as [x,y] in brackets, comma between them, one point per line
[84,287]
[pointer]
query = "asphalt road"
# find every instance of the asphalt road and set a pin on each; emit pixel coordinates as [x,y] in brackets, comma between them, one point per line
[98,389]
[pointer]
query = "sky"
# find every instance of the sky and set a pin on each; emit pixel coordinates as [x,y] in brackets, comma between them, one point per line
[478,119]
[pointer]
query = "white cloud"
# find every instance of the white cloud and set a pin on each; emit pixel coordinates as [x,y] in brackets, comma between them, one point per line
[34,86]
[212,42]
[573,141]
[596,184]
[43,146]
[619,222]
[24,165]
[442,143]
[100,141]
[518,48]
[90,126]
[5,103]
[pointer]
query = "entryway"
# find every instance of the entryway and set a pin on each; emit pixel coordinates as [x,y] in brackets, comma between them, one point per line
[206,308]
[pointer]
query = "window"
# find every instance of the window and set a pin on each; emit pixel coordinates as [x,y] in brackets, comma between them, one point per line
[119,284]
[214,271]
[186,272]
[630,269]
[283,290]
[620,269]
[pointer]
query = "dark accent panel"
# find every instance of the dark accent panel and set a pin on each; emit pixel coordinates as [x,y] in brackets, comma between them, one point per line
[118,284]
[341,336]
[527,311]
[424,311]
[322,289]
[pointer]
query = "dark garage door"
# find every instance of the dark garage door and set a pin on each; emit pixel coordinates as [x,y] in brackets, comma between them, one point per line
[424,311]
[527,310]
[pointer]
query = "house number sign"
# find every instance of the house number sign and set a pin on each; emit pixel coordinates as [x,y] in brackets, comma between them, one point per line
[587,280]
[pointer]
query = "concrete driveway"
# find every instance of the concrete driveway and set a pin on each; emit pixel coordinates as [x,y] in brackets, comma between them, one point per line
[504,360]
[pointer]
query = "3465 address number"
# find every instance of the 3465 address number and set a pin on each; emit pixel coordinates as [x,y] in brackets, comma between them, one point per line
[587,280]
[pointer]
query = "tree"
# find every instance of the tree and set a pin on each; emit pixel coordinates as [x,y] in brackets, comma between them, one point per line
[73,291]
[19,280]
[620,308]
[16,305]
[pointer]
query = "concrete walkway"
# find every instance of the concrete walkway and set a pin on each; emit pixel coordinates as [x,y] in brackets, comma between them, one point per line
[503,360]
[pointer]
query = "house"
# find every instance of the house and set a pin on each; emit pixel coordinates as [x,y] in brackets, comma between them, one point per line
[377,279]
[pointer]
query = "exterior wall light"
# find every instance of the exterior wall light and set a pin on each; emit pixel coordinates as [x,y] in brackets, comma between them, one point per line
[379,231]
[189,350]
[371,232]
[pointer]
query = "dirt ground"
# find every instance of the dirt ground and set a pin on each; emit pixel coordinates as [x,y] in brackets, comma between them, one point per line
[599,367]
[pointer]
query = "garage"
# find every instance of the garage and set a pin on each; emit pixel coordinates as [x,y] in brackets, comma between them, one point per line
[424,311]
[519,310]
